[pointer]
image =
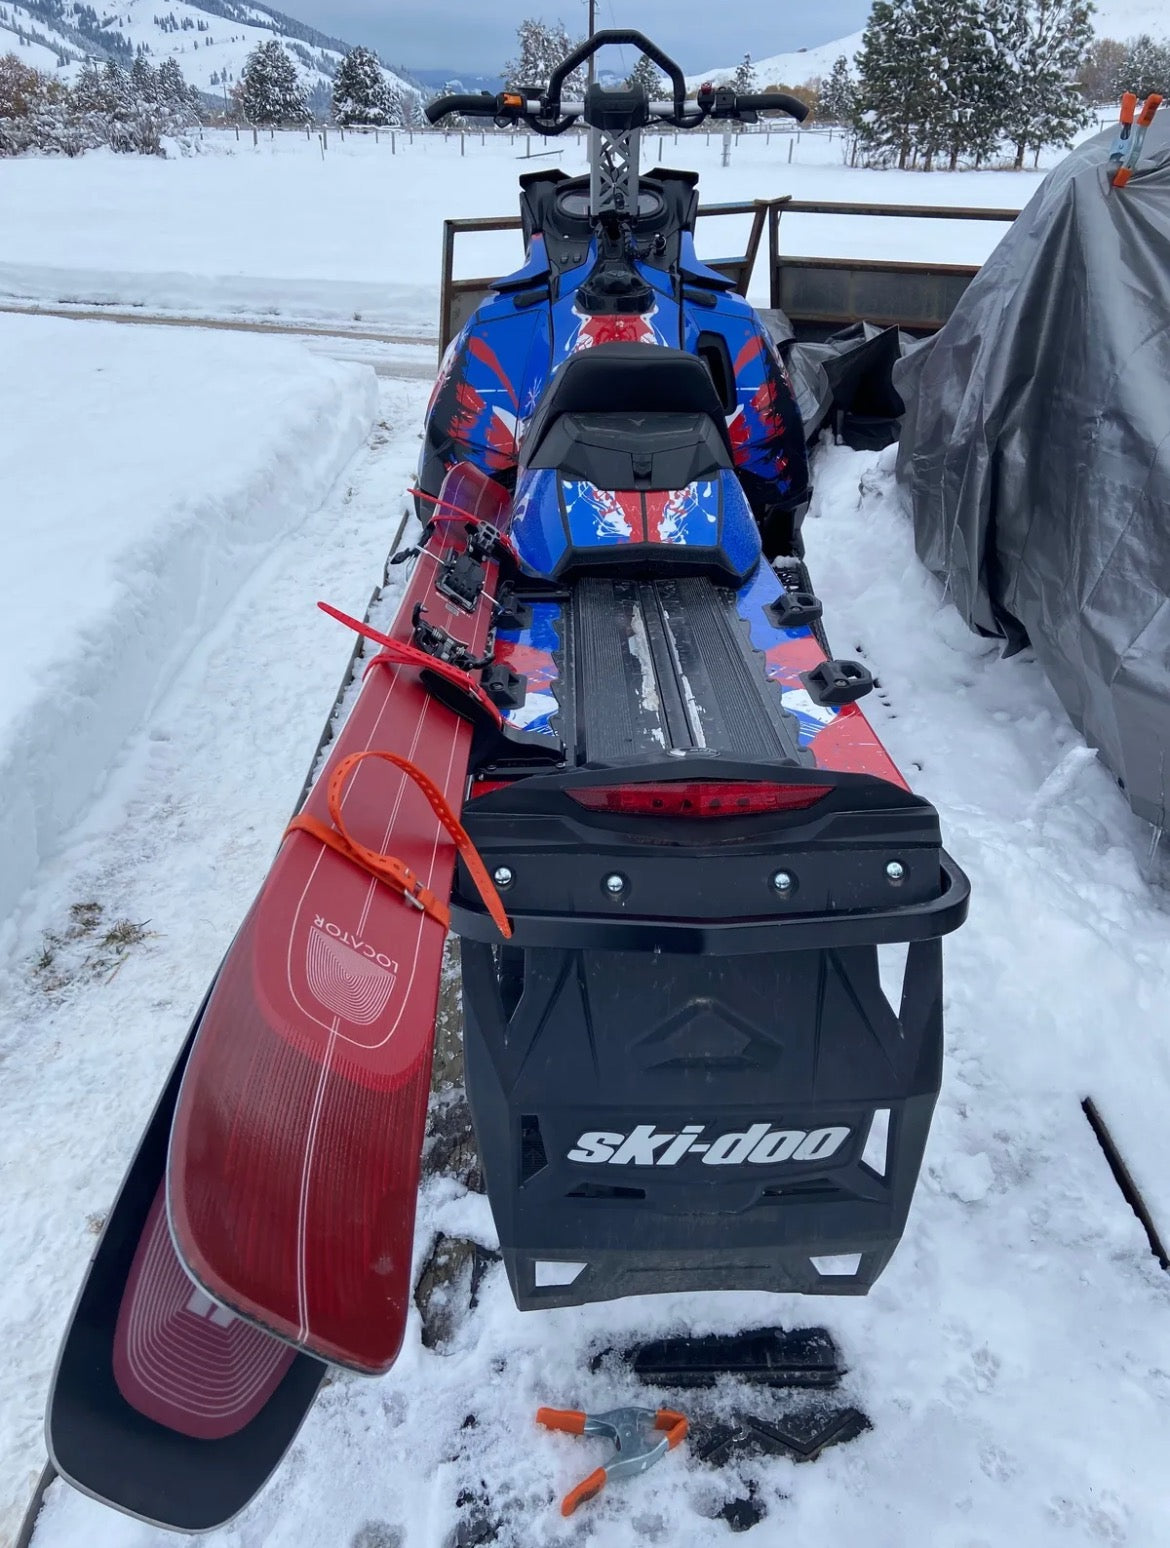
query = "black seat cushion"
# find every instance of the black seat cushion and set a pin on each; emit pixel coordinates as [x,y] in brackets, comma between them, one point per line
[626,379]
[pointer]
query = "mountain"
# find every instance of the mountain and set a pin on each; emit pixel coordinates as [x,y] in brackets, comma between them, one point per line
[457,80]
[211,39]
[791,69]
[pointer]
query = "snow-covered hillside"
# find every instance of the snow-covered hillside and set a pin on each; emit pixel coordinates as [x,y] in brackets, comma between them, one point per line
[211,40]
[1112,19]
[791,69]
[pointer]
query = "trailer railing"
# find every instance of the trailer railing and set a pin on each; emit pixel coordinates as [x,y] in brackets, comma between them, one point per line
[819,295]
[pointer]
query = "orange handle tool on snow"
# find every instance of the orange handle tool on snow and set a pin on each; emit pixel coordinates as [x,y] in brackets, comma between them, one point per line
[632,1431]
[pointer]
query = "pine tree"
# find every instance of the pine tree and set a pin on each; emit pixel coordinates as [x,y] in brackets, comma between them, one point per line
[1144,68]
[272,91]
[744,80]
[896,79]
[647,75]
[143,80]
[361,93]
[1048,42]
[837,95]
[540,49]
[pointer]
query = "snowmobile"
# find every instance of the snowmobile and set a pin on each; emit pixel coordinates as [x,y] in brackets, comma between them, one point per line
[607,743]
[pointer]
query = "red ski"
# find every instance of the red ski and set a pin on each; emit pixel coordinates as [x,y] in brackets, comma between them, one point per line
[294,1155]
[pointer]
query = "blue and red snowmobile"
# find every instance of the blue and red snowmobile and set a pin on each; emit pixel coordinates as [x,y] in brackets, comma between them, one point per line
[607,743]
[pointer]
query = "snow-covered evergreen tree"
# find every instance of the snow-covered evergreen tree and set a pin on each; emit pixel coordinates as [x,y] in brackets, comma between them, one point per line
[1048,43]
[1144,68]
[837,94]
[540,47]
[143,80]
[896,77]
[647,74]
[361,93]
[272,90]
[744,80]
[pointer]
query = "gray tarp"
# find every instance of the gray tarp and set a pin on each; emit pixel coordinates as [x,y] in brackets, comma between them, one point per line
[1036,452]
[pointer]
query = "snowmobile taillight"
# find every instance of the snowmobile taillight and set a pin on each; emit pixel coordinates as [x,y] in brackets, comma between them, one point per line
[677,798]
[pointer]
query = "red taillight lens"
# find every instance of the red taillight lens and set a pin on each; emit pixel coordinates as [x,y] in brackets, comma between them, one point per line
[738,798]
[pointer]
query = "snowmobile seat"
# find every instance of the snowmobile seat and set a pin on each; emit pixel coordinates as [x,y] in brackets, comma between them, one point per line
[627,380]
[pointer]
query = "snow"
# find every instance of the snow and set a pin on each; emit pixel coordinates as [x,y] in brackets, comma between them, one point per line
[791,69]
[188,456]
[229,232]
[1013,1359]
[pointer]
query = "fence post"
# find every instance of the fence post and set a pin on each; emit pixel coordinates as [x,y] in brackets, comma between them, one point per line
[393,143]
[236,127]
[255,135]
[376,139]
[324,139]
[462,143]
[321,137]
[791,142]
[660,150]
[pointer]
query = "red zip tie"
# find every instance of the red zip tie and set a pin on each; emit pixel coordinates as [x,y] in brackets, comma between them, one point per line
[399,653]
[388,868]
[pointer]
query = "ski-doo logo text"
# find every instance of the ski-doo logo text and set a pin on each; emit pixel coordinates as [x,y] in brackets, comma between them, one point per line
[363,948]
[760,1145]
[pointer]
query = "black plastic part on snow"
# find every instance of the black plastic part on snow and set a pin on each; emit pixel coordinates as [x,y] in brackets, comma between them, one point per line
[795,609]
[699,1000]
[105,1447]
[802,1434]
[770,1357]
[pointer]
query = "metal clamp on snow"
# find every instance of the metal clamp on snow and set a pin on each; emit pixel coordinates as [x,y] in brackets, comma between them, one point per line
[634,1431]
[388,868]
[835,683]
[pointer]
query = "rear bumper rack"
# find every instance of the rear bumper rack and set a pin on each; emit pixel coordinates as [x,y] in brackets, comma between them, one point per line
[911,921]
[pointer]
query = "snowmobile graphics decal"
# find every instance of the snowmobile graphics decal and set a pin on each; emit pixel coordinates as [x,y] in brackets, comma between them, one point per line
[613,329]
[759,1145]
[530,653]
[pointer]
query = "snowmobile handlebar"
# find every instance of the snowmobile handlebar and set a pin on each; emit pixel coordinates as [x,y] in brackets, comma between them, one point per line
[620,36]
[517,107]
[771,102]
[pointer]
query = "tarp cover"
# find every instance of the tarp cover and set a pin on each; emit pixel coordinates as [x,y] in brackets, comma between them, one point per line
[1036,452]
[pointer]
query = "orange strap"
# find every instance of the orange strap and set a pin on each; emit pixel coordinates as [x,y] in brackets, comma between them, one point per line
[389,869]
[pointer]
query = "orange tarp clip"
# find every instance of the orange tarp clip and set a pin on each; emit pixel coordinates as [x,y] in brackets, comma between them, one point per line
[388,868]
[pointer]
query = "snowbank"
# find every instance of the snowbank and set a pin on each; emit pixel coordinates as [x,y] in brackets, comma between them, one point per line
[145,472]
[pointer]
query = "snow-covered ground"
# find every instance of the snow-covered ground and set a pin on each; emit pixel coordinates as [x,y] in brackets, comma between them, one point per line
[1014,1359]
[145,473]
[282,229]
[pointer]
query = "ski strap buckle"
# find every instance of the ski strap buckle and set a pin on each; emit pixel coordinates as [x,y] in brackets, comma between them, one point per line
[388,868]
[642,1437]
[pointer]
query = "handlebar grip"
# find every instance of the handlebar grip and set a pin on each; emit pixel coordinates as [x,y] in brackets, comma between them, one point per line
[480,104]
[771,101]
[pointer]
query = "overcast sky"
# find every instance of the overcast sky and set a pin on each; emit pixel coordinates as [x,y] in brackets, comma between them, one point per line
[476,36]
